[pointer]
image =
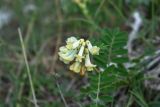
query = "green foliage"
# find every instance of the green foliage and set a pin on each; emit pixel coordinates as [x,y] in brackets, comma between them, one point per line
[112,76]
[112,47]
[103,85]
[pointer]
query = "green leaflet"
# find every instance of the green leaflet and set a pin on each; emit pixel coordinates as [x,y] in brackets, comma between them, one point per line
[113,50]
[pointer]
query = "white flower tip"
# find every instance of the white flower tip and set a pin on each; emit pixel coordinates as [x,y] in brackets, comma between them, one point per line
[95,50]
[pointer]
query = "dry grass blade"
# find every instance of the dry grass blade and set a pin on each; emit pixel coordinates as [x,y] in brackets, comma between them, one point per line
[28,69]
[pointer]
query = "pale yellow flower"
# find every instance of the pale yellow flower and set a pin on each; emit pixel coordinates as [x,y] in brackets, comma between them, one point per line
[80,53]
[94,50]
[68,56]
[88,64]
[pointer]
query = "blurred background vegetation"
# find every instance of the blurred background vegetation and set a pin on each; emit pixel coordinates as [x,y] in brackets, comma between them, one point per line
[45,25]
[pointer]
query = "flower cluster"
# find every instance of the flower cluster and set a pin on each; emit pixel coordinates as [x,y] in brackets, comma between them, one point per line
[77,53]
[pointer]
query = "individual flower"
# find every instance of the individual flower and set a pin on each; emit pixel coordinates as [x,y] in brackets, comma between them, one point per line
[94,50]
[88,63]
[80,53]
[68,56]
